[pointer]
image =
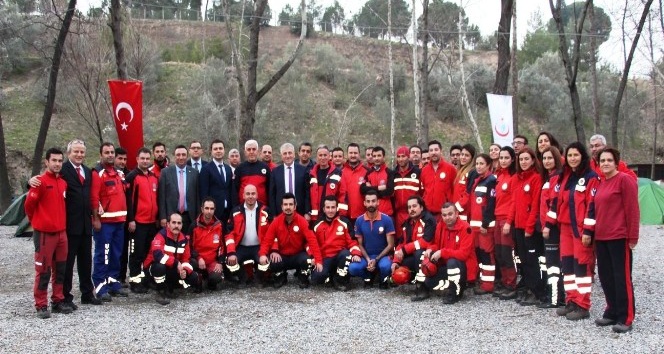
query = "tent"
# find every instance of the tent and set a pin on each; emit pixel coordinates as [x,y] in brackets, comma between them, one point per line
[651,202]
[15,215]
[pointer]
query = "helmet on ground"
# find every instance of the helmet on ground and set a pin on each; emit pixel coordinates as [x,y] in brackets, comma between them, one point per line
[401,275]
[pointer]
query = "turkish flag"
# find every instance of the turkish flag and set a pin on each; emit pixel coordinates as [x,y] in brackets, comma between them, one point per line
[127,101]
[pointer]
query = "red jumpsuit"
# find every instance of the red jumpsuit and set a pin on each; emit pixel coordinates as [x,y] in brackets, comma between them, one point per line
[351,180]
[406,185]
[504,243]
[437,185]
[318,190]
[481,209]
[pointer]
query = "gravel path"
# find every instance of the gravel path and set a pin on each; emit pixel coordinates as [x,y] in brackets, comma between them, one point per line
[320,320]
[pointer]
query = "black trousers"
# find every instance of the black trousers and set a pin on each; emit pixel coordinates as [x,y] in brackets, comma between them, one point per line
[332,267]
[298,261]
[413,263]
[140,241]
[79,252]
[124,257]
[450,275]
[614,265]
[555,292]
[167,278]
[529,249]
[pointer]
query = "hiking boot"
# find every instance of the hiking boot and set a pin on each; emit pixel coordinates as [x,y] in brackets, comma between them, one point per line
[499,291]
[421,294]
[91,301]
[480,291]
[280,281]
[61,307]
[383,285]
[43,313]
[119,293]
[451,299]
[529,300]
[563,311]
[508,295]
[161,298]
[621,328]
[603,322]
[138,288]
[548,305]
[72,305]
[578,314]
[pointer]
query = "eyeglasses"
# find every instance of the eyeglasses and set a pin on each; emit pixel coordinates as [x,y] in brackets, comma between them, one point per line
[515,143]
[195,148]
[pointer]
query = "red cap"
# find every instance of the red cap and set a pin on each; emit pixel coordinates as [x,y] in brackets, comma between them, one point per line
[403,150]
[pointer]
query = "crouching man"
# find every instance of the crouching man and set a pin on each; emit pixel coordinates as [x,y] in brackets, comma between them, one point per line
[207,245]
[287,242]
[446,258]
[336,245]
[168,260]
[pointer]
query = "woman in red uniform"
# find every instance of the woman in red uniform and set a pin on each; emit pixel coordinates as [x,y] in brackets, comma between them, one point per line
[555,296]
[615,209]
[526,187]
[504,243]
[480,205]
[467,164]
[569,205]
[544,140]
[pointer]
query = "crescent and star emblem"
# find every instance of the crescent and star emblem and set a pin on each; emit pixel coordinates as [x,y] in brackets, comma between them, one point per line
[120,107]
[504,130]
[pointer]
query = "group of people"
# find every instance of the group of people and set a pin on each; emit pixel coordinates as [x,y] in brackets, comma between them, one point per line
[542,216]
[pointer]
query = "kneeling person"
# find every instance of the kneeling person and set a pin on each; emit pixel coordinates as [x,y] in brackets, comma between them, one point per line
[336,246]
[287,242]
[207,246]
[168,260]
[453,247]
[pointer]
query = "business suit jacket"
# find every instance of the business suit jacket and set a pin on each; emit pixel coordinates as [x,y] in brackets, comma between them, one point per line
[77,202]
[203,163]
[278,189]
[169,192]
[212,184]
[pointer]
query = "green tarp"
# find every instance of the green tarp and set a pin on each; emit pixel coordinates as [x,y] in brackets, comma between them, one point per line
[651,202]
[15,215]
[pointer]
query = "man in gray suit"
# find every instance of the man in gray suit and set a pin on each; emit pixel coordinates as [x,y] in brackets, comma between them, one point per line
[178,190]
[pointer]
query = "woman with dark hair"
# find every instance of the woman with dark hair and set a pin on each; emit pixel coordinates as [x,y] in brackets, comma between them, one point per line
[544,140]
[504,243]
[571,197]
[466,165]
[480,204]
[555,296]
[527,186]
[615,209]
[494,153]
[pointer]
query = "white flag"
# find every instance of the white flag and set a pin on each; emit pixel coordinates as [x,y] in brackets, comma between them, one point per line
[502,124]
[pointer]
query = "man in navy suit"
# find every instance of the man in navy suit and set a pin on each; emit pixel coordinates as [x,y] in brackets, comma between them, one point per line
[176,178]
[196,152]
[289,177]
[216,181]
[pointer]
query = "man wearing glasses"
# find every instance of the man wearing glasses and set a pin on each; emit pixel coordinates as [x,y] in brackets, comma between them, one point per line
[519,143]
[196,152]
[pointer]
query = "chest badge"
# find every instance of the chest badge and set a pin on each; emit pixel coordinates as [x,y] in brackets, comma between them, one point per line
[442,175]
[296,228]
[526,188]
[504,187]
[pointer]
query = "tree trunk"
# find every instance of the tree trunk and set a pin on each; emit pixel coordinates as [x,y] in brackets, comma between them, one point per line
[52,86]
[571,64]
[503,40]
[5,187]
[416,80]
[464,95]
[623,80]
[515,74]
[115,22]
[391,65]
[593,70]
[424,76]
[654,96]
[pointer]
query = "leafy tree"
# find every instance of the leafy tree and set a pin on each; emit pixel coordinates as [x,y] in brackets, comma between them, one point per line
[443,23]
[286,15]
[371,21]
[333,17]
[239,9]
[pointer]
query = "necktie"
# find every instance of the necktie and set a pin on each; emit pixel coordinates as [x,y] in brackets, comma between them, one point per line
[290,179]
[80,176]
[196,166]
[181,192]
[222,172]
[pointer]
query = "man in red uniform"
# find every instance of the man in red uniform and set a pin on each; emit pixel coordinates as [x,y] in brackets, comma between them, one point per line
[368,157]
[266,156]
[324,180]
[437,179]
[418,232]
[168,260]
[287,243]
[338,157]
[381,179]
[207,245]
[141,217]
[406,185]
[252,171]
[246,228]
[45,208]
[352,177]
[337,247]
[452,250]
[109,213]
[597,144]
[160,159]
[415,155]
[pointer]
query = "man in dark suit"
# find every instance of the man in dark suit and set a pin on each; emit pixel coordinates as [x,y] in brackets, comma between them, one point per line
[289,177]
[196,152]
[178,190]
[216,181]
[79,224]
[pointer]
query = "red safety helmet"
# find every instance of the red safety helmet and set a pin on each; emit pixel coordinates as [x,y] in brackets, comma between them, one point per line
[401,275]
[428,267]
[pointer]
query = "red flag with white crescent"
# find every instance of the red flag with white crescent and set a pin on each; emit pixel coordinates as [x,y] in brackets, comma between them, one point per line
[127,101]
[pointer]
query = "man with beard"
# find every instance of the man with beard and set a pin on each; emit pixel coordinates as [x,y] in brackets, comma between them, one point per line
[324,180]
[207,245]
[415,156]
[406,185]
[381,179]
[160,159]
[304,156]
[455,155]
[352,177]
[252,171]
[597,144]
[437,179]
[287,243]
[121,166]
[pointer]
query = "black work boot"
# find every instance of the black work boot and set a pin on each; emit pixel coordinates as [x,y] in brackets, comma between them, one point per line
[421,293]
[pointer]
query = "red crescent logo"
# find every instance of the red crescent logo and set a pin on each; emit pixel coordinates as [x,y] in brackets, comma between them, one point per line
[502,134]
